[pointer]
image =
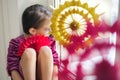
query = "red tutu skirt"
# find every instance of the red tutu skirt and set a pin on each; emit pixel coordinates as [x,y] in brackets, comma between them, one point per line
[35,42]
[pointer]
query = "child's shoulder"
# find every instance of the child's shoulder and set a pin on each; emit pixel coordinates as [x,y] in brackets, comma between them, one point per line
[17,40]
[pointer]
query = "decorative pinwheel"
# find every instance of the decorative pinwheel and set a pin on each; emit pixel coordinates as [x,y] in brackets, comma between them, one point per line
[71,19]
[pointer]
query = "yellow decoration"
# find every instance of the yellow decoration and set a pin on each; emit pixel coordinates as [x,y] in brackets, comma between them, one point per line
[71,19]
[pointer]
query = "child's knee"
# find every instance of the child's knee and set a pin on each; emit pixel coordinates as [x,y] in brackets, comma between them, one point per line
[29,53]
[45,51]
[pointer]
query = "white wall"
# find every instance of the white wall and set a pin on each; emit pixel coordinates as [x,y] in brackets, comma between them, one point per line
[10,26]
[2,46]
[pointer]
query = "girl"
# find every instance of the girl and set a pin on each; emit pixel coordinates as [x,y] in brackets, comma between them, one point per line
[32,64]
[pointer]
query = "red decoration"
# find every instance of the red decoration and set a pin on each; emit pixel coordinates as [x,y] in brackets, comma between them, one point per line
[35,42]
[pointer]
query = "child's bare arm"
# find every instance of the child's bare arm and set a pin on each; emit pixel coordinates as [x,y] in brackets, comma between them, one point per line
[15,75]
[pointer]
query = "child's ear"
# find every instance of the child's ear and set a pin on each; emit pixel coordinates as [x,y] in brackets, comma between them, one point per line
[32,31]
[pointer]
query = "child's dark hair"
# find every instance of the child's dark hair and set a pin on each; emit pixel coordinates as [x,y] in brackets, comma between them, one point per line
[34,16]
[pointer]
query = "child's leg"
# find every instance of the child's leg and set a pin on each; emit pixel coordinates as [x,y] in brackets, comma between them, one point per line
[28,64]
[45,64]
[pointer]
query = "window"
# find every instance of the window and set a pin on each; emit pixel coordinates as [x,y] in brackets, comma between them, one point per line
[110,9]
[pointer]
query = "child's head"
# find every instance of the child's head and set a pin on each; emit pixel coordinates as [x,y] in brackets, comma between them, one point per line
[36,20]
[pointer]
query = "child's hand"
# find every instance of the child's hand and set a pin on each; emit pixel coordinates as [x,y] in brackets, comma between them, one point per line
[15,75]
[55,73]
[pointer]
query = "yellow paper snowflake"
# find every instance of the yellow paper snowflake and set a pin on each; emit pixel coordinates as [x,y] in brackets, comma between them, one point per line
[71,19]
